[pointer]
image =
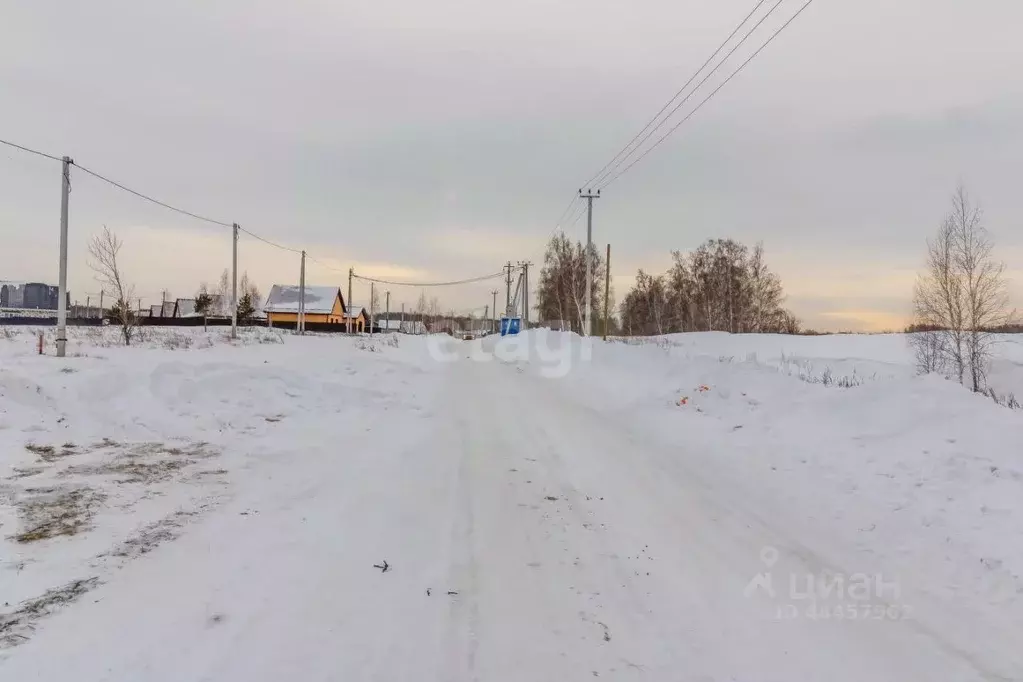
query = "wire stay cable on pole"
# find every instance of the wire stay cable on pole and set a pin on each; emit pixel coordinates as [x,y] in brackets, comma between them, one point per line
[709,97]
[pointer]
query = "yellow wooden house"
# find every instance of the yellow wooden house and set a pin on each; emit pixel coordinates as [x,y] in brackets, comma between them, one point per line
[324,305]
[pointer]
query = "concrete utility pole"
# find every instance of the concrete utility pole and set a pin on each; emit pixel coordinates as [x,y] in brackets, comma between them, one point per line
[101,292]
[65,191]
[525,294]
[401,325]
[607,290]
[163,302]
[348,304]
[301,297]
[493,319]
[234,281]
[507,290]
[372,297]
[387,310]
[587,322]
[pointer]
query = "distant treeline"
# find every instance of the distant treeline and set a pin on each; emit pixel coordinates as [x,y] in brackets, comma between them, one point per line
[1013,328]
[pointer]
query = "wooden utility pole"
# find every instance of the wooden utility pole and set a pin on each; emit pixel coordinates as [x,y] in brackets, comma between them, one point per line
[607,290]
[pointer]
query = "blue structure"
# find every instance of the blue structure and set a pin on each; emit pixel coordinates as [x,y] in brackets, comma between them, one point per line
[510,325]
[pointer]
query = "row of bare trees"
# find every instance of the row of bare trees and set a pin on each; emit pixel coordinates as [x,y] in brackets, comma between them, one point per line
[217,303]
[960,298]
[104,259]
[561,290]
[720,286]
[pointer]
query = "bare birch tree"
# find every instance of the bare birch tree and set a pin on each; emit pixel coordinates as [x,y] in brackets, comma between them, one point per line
[104,250]
[959,298]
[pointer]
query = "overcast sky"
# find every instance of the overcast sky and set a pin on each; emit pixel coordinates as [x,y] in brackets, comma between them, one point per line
[435,140]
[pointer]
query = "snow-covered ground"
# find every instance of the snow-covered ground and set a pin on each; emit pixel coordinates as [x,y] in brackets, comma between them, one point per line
[548,509]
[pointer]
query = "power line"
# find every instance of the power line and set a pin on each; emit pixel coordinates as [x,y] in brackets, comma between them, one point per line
[184,212]
[667,104]
[430,284]
[709,97]
[267,241]
[321,263]
[152,200]
[615,165]
[31,151]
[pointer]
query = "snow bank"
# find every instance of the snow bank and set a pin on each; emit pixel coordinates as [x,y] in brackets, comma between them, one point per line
[917,473]
[113,451]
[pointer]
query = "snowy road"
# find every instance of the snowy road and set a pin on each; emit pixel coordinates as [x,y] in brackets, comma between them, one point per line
[572,548]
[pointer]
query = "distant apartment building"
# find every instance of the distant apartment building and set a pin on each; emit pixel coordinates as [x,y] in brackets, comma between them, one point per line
[29,296]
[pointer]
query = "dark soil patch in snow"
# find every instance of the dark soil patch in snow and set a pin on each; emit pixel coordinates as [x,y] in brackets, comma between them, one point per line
[55,512]
[16,626]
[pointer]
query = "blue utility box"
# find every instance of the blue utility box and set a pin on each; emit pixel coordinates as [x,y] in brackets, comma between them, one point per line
[510,326]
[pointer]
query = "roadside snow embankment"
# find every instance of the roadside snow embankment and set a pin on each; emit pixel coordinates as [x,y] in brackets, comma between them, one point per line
[920,476]
[111,452]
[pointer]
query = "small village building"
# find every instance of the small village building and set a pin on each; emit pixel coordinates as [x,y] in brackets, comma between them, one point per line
[324,305]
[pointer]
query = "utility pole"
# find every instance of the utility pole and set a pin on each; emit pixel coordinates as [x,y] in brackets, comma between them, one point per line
[493,319]
[589,196]
[163,302]
[387,310]
[401,325]
[372,301]
[607,290]
[507,290]
[348,317]
[301,297]
[234,281]
[101,292]
[525,294]
[65,191]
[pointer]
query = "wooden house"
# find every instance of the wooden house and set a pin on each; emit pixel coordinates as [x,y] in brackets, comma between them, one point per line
[324,305]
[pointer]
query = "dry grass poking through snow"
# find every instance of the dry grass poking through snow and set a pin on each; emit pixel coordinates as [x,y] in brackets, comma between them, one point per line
[16,626]
[155,534]
[53,512]
[142,462]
